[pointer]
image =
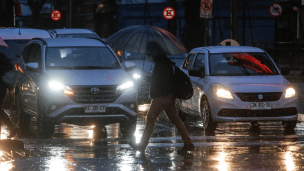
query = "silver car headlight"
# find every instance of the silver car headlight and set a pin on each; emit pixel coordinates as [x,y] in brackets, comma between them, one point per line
[290,92]
[222,92]
[136,76]
[124,86]
[57,86]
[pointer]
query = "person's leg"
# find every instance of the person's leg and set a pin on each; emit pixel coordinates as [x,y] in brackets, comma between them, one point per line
[157,106]
[171,112]
[4,117]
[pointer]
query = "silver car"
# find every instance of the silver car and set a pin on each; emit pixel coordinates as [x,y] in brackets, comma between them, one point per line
[237,84]
[74,80]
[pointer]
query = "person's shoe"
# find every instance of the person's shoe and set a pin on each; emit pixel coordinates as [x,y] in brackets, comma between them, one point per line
[13,131]
[137,147]
[187,147]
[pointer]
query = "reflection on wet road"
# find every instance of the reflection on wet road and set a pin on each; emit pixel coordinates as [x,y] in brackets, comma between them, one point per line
[233,146]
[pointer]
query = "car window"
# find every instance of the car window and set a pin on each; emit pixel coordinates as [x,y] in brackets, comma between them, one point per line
[25,53]
[81,58]
[188,62]
[199,61]
[235,64]
[15,48]
[34,53]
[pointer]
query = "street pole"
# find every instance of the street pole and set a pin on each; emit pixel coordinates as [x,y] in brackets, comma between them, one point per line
[172,24]
[234,30]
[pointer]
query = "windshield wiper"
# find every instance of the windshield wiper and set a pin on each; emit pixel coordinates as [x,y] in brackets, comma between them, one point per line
[92,67]
[60,67]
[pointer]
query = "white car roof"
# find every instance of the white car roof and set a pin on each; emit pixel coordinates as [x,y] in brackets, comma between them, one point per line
[227,49]
[73,31]
[22,33]
[71,42]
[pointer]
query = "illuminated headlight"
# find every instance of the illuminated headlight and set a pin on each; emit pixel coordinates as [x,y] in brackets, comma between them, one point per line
[54,85]
[136,76]
[222,92]
[290,92]
[124,86]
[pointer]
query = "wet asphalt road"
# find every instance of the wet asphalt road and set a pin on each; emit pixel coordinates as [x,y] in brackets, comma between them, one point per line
[233,146]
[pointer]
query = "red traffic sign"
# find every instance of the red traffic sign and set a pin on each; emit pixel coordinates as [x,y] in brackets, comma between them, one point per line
[56,15]
[206,5]
[275,9]
[169,13]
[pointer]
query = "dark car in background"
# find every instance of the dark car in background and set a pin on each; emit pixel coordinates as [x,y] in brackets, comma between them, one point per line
[17,39]
[73,33]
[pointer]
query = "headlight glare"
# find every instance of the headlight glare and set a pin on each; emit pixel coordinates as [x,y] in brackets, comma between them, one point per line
[222,92]
[126,85]
[136,76]
[54,85]
[290,92]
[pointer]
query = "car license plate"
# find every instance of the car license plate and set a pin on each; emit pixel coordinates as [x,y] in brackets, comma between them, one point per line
[260,105]
[94,109]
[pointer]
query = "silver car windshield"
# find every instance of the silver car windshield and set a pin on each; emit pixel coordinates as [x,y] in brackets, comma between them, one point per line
[240,64]
[80,58]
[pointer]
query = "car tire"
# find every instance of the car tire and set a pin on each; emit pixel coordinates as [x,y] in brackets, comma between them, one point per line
[21,119]
[181,115]
[127,129]
[205,114]
[289,125]
[45,124]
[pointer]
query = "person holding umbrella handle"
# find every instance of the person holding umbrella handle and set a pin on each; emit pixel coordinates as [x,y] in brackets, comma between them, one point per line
[161,86]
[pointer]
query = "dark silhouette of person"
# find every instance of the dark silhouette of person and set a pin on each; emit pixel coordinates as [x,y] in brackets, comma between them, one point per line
[5,65]
[161,86]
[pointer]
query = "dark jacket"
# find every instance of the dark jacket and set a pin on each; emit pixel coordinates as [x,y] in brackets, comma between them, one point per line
[161,81]
[5,65]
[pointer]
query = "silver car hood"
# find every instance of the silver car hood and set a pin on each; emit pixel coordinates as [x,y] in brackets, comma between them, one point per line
[89,77]
[268,83]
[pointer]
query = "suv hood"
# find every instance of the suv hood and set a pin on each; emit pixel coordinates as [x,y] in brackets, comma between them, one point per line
[269,83]
[89,77]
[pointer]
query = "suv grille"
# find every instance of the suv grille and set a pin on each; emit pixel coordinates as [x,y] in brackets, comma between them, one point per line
[259,97]
[94,94]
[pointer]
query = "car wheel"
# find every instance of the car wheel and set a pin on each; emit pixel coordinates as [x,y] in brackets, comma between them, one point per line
[181,115]
[289,125]
[21,119]
[45,124]
[205,115]
[127,129]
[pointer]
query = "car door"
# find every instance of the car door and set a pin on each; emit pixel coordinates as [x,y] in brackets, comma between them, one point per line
[197,83]
[187,65]
[29,86]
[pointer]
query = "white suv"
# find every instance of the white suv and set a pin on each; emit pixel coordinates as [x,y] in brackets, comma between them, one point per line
[74,80]
[237,84]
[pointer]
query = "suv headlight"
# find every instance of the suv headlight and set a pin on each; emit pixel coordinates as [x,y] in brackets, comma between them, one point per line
[124,86]
[222,92]
[57,86]
[290,92]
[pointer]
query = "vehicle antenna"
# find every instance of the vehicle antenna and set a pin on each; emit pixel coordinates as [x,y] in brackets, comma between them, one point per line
[19,31]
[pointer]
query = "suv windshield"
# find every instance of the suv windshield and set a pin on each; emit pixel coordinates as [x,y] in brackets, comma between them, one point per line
[15,48]
[76,36]
[80,58]
[238,64]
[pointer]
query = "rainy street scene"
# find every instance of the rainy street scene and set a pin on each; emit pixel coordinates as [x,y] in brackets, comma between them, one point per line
[127,85]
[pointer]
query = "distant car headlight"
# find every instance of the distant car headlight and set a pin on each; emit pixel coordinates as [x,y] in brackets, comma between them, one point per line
[136,76]
[222,92]
[290,92]
[124,86]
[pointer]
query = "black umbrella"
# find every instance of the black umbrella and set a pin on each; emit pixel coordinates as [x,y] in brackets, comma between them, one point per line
[136,38]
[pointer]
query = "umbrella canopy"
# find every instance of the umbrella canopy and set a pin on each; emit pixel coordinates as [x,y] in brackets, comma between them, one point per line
[2,43]
[136,38]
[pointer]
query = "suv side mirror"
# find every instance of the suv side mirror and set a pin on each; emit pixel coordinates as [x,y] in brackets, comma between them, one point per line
[130,66]
[197,72]
[285,70]
[33,66]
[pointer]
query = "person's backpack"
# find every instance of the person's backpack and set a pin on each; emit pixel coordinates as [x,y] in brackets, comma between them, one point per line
[182,85]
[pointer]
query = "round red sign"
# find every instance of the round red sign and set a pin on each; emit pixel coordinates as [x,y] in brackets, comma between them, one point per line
[169,13]
[206,5]
[56,15]
[275,9]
